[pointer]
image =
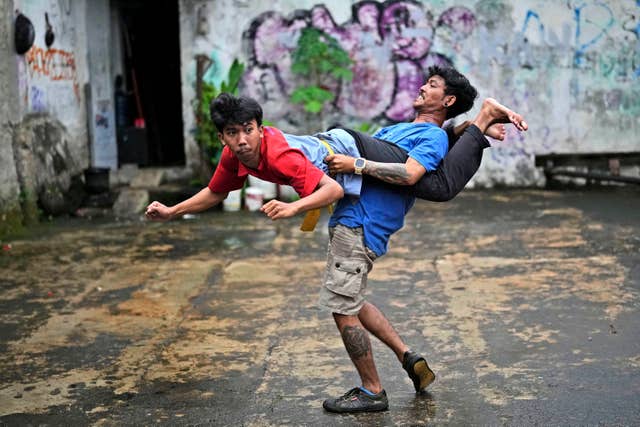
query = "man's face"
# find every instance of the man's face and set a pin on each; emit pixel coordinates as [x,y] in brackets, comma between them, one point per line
[432,95]
[244,141]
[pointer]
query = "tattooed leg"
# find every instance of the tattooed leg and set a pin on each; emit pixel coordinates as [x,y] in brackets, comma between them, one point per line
[356,340]
[376,323]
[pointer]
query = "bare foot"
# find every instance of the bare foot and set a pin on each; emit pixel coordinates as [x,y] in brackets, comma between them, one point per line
[496,131]
[494,112]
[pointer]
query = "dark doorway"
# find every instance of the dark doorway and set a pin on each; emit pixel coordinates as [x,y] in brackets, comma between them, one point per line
[151,48]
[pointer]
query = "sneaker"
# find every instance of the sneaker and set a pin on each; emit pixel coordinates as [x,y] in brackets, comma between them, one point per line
[356,400]
[418,370]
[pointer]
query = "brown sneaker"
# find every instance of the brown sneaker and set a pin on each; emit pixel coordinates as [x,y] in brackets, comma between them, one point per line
[418,370]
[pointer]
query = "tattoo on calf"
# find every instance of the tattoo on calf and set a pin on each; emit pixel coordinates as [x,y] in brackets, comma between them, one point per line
[356,341]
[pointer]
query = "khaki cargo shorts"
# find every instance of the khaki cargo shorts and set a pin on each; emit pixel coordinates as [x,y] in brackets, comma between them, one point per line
[345,276]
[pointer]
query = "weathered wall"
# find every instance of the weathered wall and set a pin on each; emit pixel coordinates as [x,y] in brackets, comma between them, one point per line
[10,210]
[51,79]
[43,108]
[571,68]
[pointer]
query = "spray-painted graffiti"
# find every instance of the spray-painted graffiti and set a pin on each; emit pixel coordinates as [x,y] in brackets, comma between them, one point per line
[54,64]
[390,44]
[37,101]
[593,20]
[393,43]
[560,64]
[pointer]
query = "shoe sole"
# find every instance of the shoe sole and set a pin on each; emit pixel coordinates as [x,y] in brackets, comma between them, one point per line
[354,411]
[425,375]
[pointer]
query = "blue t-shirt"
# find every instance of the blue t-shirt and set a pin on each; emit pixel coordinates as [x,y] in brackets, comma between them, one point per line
[381,208]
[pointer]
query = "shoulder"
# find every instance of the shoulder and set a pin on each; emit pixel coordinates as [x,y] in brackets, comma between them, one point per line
[433,133]
[275,142]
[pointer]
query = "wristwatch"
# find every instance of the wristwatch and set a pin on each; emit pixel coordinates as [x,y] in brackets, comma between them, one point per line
[358,165]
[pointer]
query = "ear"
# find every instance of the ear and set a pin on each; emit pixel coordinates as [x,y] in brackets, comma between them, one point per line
[221,138]
[449,100]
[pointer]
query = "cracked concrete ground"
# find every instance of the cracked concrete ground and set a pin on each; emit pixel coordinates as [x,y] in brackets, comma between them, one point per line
[525,303]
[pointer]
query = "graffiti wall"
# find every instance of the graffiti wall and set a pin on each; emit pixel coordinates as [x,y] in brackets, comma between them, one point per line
[572,67]
[51,74]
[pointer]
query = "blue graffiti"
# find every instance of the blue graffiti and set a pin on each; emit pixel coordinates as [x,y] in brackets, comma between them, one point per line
[532,14]
[581,47]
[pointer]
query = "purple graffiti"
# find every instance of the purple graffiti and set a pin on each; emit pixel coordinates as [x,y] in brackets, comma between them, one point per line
[38,102]
[390,44]
[459,19]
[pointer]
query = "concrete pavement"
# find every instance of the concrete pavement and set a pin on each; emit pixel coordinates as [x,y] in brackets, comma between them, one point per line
[525,303]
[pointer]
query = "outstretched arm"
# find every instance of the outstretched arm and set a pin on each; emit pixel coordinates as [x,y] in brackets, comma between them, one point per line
[327,192]
[201,201]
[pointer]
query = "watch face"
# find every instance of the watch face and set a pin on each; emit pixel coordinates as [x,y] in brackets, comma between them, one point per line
[359,163]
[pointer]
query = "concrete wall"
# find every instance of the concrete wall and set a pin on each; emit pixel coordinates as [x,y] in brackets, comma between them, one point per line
[572,68]
[44,139]
[51,80]
[10,211]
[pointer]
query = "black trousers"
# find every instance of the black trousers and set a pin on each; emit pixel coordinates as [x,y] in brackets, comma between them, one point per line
[452,174]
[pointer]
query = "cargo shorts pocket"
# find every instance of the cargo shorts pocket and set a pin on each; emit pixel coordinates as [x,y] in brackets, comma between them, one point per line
[345,277]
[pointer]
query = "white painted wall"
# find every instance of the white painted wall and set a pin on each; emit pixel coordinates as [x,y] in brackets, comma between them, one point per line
[51,80]
[571,67]
[103,147]
[47,85]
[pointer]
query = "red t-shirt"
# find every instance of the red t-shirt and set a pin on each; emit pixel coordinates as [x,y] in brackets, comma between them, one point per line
[279,163]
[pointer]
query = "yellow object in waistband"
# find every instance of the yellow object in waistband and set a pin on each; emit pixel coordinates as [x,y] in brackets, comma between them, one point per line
[312,216]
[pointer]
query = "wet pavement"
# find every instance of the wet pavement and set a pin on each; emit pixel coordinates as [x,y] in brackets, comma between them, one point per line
[525,303]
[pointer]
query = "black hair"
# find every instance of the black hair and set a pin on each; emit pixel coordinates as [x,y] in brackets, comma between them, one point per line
[455,84]
[227,109]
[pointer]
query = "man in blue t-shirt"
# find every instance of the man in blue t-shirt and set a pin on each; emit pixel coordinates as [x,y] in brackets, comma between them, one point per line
[360,229]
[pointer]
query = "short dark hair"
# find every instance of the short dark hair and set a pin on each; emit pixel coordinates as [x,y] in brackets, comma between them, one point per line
[458,85]
[227,109]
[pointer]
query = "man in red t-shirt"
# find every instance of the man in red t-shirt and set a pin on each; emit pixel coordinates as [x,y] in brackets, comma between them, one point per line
[251,149]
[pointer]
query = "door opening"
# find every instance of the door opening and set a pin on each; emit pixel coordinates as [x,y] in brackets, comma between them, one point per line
[151,105]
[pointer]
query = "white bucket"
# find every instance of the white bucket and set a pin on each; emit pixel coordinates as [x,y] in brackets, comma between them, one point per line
[253,198]
[268,188]
[232,202]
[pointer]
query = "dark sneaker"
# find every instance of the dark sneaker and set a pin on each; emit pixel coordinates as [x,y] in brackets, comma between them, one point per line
[418,370]
[356,400]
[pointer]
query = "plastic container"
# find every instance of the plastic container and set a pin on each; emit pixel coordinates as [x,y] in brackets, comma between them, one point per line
[233,201]
[253,198]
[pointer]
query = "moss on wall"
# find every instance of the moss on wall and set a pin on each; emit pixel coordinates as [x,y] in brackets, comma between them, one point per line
[29,204]
[11,219]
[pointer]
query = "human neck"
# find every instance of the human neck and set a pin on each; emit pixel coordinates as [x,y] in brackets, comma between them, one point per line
[435,118]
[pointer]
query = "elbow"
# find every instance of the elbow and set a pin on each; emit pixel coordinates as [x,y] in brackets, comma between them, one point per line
[411,180]
[337,192]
